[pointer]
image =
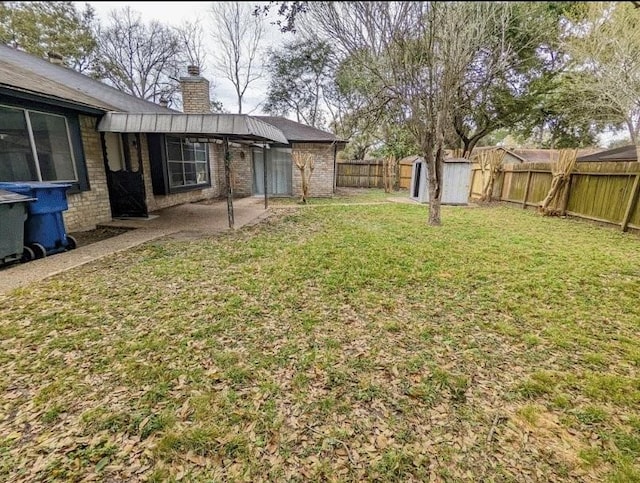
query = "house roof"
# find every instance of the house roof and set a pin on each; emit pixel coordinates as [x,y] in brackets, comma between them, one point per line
[296,132]
[624,153]
[236,126]
[23,72]
[526,155]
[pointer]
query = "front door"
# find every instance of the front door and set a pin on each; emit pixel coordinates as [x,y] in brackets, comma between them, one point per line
[123,162]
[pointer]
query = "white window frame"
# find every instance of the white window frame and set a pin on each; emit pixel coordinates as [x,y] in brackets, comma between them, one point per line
[34,151]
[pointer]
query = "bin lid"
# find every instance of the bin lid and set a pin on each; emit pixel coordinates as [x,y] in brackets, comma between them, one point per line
[36,185]
[10,185]
[11,197]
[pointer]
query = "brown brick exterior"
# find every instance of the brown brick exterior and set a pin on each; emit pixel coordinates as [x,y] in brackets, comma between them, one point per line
[195,95]
[88,208]
[242,169]
[321,184]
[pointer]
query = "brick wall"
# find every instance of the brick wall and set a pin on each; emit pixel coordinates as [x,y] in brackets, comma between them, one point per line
[321,184]
[195,95]
[88,208]
[241,171]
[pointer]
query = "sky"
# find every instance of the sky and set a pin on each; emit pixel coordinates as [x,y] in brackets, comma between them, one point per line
[175,13]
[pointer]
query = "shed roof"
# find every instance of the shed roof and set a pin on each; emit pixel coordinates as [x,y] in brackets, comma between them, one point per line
[445,160]
[624,153]
[296,132]
[23,72]
[237,126]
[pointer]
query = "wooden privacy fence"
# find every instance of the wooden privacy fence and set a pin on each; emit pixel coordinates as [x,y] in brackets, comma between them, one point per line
[605,192]
[368,174]
[360,174]
[405,176]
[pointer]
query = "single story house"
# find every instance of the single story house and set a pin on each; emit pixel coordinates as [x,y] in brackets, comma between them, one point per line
[624,153]
[526,155]
[125,156]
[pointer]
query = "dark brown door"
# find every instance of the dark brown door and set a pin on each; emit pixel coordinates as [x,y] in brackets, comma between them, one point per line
[125,180]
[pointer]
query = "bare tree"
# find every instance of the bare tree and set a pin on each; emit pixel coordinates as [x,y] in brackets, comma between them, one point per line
[141,59]
[409,58]
[237,35]
[191,38]
[605,51]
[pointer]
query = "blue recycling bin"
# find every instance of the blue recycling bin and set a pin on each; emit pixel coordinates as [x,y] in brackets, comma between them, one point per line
[44,230]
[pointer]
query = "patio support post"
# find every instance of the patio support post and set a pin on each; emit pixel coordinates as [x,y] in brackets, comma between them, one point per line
[264,171]
[227,177]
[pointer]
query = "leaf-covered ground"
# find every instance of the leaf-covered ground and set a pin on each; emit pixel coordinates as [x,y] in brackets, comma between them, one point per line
[340,343]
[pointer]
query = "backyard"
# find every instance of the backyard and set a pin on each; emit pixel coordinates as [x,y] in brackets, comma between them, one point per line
[340,343]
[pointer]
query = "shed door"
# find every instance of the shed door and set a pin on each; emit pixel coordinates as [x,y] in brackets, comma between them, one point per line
[123,163]
[455,189]
[416,179]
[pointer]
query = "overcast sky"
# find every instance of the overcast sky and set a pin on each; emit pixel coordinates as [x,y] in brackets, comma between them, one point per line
[174,13]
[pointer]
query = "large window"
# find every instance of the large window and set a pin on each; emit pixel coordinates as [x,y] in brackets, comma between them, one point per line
[188,163]
[35,146]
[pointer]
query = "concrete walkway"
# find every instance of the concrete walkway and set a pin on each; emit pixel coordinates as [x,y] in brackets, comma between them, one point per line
[184,221]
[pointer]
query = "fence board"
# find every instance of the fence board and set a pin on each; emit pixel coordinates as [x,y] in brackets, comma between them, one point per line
[604,197]
[360,174]
[597,191]
[405,176]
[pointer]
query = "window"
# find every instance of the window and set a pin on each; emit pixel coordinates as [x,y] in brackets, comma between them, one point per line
[188,163]
[35,146]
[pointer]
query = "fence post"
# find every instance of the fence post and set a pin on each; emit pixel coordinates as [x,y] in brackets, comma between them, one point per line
[526,190]
[632,203]
[565,196]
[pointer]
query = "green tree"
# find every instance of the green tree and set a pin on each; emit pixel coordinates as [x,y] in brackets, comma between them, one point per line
[43,27]
[408,60]
[299,78]
[512,73]
[604,73]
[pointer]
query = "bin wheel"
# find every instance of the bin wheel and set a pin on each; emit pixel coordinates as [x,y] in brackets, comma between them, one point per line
[71,242]
[39,250]
[27,254]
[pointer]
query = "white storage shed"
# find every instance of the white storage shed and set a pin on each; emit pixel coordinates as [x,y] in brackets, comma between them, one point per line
[456,173]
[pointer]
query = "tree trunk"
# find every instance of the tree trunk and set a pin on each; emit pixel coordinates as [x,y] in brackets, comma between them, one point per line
[434,178]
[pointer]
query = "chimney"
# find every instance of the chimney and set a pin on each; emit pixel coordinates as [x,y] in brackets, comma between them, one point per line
[55,58]
[164,102]
[195,92]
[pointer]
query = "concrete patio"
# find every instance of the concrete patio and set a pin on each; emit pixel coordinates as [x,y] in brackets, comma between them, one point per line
[191,220]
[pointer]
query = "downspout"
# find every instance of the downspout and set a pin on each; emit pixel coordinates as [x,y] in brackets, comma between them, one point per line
[335,155]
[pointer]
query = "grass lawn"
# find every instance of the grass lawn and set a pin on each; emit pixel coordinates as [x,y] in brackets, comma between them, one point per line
[341,343]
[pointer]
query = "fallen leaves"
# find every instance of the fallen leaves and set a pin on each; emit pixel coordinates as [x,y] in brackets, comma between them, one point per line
[342,344]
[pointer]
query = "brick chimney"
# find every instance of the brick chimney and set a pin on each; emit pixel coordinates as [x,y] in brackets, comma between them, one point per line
[195,92]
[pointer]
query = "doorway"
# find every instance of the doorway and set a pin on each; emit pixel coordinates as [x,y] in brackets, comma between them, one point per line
[125,181]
